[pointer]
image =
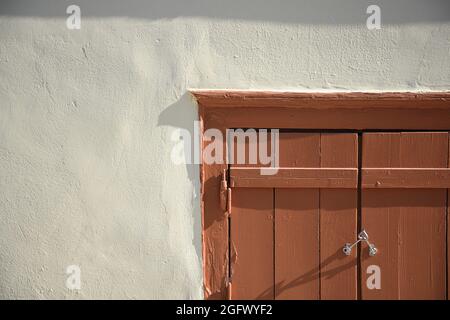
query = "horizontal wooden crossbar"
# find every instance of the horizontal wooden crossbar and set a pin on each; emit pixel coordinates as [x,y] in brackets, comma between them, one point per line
[250,177]
[405,178]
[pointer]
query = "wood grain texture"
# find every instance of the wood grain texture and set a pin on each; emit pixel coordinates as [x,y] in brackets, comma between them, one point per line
[362,118]
[251,232]
[406,178]
[264,99]
[311,224]
[297,269]
[295,178]
[214,232]
[338,221]
[355,111]
[406,225]
[252,244]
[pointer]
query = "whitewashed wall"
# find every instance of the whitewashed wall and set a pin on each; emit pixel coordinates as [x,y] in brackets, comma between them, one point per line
[86,118]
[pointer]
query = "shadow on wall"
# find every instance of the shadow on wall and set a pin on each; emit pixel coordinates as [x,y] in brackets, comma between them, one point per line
[182,115]
[287,11]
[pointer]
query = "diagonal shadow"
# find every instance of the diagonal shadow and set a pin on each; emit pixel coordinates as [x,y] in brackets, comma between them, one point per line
[313,274]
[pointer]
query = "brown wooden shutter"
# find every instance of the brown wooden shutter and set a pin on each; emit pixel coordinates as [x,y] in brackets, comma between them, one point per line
[406,216]
[288,229]
[287,237]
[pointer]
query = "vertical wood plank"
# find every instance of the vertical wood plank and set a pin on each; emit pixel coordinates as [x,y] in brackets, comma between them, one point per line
[381,221]
[407,226]
[252,244]
[448,227]
[338,220]
[297,269]
[311,225]
[251,231]
[297,244]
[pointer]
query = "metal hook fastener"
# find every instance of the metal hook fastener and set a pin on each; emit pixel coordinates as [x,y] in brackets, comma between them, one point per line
[362,236]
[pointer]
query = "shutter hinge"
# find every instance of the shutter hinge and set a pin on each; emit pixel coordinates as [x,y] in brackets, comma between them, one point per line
[229,288]
[225,193]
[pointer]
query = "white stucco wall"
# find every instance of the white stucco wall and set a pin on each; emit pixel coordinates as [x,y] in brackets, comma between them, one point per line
[86,118]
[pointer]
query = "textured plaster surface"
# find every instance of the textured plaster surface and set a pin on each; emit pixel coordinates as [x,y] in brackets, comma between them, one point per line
[86,118]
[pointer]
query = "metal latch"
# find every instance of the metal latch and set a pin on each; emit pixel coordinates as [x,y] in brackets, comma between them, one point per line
[362,236]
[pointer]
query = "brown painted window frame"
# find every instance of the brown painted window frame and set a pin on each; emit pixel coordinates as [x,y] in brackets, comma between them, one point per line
[289,110]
